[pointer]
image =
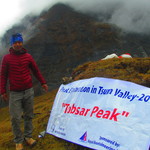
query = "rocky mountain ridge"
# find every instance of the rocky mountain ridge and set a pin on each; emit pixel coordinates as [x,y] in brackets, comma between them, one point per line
[61,39]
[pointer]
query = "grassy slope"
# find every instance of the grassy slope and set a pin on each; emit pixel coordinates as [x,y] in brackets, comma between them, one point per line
[42,107]
[136,70]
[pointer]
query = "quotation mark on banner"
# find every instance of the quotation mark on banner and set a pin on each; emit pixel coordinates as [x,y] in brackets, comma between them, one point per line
[63,104]
[124,113]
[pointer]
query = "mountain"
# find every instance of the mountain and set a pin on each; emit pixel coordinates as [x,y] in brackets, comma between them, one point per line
[68,43]
[61,39]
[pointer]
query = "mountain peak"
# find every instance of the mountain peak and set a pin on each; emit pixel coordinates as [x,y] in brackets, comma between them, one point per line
[60,7]
[61,38]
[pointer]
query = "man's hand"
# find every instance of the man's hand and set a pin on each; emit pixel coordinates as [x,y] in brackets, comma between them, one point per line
[45,87]
[5,97]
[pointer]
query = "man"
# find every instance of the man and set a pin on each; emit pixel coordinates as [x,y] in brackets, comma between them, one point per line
[16,67]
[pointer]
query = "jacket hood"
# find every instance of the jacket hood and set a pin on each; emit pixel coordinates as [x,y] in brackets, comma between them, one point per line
[22,51]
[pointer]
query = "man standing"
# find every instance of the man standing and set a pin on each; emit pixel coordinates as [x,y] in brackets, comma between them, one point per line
[16,67]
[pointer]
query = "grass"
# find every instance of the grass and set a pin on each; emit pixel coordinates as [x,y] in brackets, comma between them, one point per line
[43,105]
[136,70]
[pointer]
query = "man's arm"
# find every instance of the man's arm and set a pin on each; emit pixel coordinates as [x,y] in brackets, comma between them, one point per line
[38,74]
[3,78]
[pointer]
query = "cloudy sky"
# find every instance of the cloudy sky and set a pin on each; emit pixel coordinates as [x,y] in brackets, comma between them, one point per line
[11,11]
[130,15]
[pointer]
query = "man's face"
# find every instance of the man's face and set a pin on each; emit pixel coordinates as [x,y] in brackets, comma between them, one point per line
[17,46]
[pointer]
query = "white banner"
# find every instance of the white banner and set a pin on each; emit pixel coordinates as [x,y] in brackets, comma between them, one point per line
[103,114]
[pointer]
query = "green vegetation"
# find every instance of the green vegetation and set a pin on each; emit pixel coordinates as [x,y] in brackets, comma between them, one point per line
[136,70]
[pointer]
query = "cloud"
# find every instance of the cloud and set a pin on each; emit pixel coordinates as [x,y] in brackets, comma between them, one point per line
[133,16]
[36,6]
[9,12]
[12,12]
[130,15]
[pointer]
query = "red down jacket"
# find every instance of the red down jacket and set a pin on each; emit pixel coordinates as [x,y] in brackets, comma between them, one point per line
[16,67]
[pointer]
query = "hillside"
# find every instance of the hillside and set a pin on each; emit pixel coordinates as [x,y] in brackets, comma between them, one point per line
[42,107]
[136,70]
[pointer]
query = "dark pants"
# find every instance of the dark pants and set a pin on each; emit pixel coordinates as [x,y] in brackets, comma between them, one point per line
[21,104]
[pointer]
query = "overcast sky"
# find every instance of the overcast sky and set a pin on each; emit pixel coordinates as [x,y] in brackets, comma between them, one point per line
[130,15]
[12,11]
